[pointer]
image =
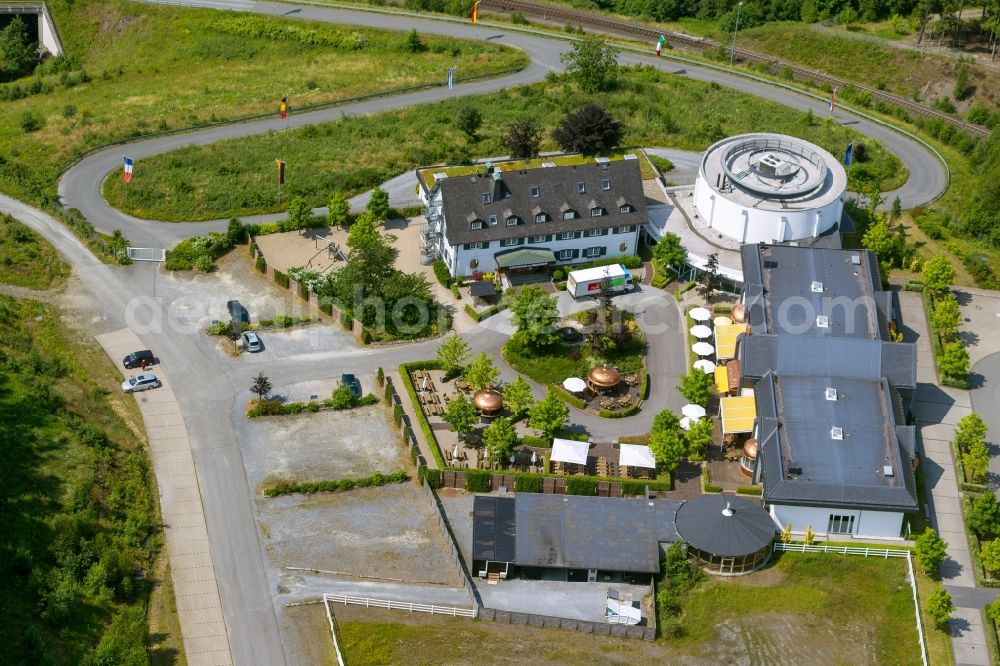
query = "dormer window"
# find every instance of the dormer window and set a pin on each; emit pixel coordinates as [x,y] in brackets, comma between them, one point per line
[606,185]
[596,212]
[477,225]
[541,217]
[535,192]
[581,187]
[625,209]
[486,197]
[513,221]
[493,219]
[569,214]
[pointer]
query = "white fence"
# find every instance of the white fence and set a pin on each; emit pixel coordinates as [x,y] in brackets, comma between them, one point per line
[147,254]
[869,552]
[399,605]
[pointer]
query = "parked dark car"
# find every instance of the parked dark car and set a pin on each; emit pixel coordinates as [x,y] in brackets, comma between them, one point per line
[238,313]
[351,382]
[135,359]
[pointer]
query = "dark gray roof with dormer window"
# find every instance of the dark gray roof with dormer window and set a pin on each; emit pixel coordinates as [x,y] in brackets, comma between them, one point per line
[462,197]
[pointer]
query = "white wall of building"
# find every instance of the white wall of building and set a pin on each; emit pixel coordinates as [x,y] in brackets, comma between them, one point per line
[754,225]
[867,524]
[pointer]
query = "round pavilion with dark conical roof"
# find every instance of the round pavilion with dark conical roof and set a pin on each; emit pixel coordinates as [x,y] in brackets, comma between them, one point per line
[728,535]
[488,401]
[603,378]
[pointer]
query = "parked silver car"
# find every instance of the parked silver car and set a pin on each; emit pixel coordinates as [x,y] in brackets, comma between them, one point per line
[140,383]
[251,342]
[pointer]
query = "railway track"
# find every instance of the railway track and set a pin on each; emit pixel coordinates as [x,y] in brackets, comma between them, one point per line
[642,33]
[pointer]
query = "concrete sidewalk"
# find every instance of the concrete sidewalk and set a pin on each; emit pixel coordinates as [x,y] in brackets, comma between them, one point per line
[199,609]
[937,410]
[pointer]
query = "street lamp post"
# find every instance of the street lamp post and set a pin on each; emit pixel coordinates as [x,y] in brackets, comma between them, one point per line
[732,50]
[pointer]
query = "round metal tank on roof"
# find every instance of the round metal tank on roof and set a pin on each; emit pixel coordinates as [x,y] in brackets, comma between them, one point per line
[729,535]
[488,400]
[750,448]
[604,376]
[739,313]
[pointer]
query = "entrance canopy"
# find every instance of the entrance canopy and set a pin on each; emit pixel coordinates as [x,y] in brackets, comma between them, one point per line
[569,451]
[636,455]
[738,413]
[524,258]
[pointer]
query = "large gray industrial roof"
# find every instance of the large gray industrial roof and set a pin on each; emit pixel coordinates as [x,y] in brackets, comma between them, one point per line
[744,529]
[605,533]
[510,195]
[493,528]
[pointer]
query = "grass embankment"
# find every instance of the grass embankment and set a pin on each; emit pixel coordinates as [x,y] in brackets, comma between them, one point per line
[797,610]
[151,68]
[77,498]
[233,178]
[27,259]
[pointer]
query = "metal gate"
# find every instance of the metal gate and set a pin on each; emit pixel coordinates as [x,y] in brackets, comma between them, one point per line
[146,254]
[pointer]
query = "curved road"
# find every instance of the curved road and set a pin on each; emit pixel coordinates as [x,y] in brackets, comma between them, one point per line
[80,186]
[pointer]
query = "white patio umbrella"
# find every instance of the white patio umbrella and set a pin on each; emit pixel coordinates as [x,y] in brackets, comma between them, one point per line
[534,457]
[722,321]
[693,411]
[512,459]
[574,384]
[705,366]
[686,422]
[454,454]
[701,331]
[703,349]
[426,385]
[700,314]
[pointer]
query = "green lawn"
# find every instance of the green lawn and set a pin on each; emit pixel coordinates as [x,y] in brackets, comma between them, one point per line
[77,499]
[553,364]
[27,259]
[233,178]
[157,67]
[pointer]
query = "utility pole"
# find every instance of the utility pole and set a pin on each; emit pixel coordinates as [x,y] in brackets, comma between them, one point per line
[732,50]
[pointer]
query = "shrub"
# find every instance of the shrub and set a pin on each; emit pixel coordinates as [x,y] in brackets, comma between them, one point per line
[342,398]
[281,279]
[455,293]
[31,121]
[260,264]
[558,275]
[380,376]
[433,477]
[528,483]
[441,272]
[275,408]
[477,481]
[619,413]
[397,414]
[309,487]
[204,263]
[750,490]
[567,397]
[326,308]
[581,485]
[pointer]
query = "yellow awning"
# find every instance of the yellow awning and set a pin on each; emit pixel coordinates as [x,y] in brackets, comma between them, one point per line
[725,340]
[721,380]
[738,414]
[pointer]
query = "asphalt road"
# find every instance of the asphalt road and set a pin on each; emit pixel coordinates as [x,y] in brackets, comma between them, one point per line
[80,186]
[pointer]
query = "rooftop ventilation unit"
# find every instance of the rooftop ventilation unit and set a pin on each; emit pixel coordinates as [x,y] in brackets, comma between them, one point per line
[887,470]
[603,161]
[548,165]
[441,175]
[822,321]
[856,259]
[816,287]
[831,393]
[836,433]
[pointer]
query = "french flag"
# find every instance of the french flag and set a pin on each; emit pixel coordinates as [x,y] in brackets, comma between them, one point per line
[127,170]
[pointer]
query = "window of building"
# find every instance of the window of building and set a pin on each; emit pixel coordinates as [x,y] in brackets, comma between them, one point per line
[486,197]
[569,215]
[606,185]
[535,192]
[581,187]
[596,212]
[541,217]
[493,219]
[592,252]
[590,233]
[539,239]
[477,224]
[625,209]
[479,245]
[508,242]
[513,221]
[841,525]
[567,235]
[623,229]
[565,255]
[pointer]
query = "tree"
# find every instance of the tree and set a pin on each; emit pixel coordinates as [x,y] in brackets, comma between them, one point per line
[939,606]
[453,352]
[970,429]
[413,43]
[235,232]
[378,204]
[469,121]
[946,316]
[786,534]
[699,436]
[930,551]
[976,462]
[993,611]
[666,440]
[590,129]
[124,642]
[17,51]
[261,386]
[534,314]
[809,537]
[696,386]
[954,361]
[708,280]
[669,252]
[593,64]
[884,242]
[549,415]
[938,274]
[499,439]
[523,138]
[518,397]
[461,415]
[299,214]
[989,554]
[338,210]
[897,209]
[481,372]
[983,516]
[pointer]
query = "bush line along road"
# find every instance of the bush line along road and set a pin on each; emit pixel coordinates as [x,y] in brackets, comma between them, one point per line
[80,186]
[206,386]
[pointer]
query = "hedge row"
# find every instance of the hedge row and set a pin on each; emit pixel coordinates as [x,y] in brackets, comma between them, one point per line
[485,314]
[566,396]
[425,427]
[278,408]
[281,279]
[478,481]
[310,487]
[631,410]
[750,490]
[706,485]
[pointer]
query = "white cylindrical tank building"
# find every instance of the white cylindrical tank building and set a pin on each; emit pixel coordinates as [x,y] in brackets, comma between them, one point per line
[769,188]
